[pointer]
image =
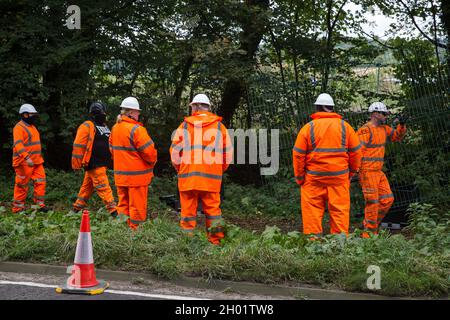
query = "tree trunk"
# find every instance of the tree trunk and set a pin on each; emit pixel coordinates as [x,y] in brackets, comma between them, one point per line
[66,83]
[297,84]
[328,47]
[233,90]
[445,18]
[280,59]
[56,150]
[253,29]
[436,47]
[183,79]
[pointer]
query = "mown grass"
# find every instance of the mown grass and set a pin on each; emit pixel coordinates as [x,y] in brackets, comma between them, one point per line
[409,267]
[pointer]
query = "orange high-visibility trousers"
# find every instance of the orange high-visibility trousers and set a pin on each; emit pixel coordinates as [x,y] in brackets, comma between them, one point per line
[133,204]
[314,198]
[98,180]
[211,208]
[23,175]
[379,199]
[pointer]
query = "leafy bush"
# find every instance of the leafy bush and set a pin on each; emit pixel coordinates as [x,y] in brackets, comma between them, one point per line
[431,229]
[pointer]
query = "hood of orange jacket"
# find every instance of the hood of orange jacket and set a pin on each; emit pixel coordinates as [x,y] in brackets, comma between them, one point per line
[202,175]
[205,117]
[130,120]
[133,152]
[326,150]
[321,115]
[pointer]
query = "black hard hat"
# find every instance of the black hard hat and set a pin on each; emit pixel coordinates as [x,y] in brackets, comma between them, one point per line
[97,107]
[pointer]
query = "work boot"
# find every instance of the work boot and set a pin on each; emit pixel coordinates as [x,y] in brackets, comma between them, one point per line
[44,209]
[114,214]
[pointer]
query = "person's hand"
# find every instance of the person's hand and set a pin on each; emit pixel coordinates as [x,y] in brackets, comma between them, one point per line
[402,119]
[29,162]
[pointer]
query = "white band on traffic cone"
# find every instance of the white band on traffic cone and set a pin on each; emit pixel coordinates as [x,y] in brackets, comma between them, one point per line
[84,253]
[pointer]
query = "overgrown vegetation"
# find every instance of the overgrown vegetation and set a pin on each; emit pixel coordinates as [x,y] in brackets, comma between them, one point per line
[262,63]
[415,264]
[62,190]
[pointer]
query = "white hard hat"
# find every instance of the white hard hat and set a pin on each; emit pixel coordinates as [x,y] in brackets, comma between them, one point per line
[200,98]
[27,108]
[378,106]
[130,103]
[324,99]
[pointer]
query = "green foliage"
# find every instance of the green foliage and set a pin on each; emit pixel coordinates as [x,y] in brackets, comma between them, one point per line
[249,200]
[159,247]
[431,228]
[418,266]
[414,267]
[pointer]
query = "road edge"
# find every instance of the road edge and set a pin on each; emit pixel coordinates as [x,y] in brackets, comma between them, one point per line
[298,292]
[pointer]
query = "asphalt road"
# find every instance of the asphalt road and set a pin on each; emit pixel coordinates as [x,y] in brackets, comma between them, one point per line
[26,286]
[21,292]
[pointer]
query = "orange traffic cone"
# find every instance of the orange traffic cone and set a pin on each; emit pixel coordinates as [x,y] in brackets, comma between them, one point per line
[83,280]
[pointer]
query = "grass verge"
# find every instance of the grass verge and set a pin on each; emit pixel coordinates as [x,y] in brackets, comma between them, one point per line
[417,266]
[158,247]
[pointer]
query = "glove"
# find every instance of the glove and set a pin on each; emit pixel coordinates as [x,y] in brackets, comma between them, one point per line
[402,119]
[354,178]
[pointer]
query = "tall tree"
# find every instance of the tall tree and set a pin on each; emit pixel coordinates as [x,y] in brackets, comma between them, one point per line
[253,20]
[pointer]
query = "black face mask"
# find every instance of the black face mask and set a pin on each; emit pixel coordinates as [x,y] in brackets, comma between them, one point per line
[30,120]
[99,118]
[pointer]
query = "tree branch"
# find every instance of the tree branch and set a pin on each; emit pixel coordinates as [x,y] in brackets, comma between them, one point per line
[338,14]
[376,40]
[410,14]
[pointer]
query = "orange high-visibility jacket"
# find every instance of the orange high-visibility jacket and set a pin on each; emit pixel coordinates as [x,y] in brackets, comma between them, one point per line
[82,146]
[373,139]
[201,151]
[27,143]
[133,153]
[326,149]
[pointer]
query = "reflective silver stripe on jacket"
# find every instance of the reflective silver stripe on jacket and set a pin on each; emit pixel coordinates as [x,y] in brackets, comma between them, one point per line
[29,144]
[369,159]
[299,150]
[200,174]
[327,173]
[355,148]
[148,144]
[188,219]
[26,129]
[132,173]
[133,130]
[311,134]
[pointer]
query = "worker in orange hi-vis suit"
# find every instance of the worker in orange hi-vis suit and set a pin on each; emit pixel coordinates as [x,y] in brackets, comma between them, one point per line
[201,152]
[325,157]
[377,193]
[134,157]
[91,152]
[27,160]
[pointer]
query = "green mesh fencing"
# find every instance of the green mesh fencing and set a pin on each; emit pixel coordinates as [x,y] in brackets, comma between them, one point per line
[412,83]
